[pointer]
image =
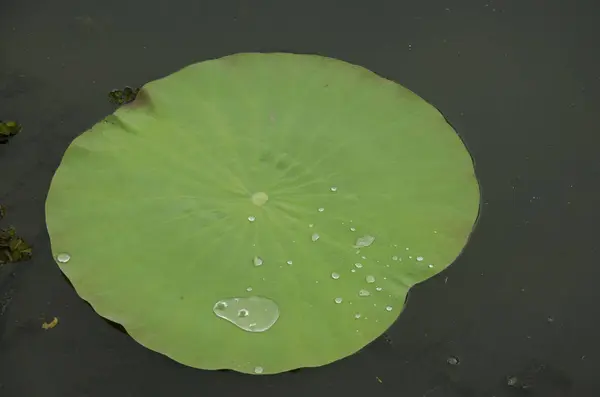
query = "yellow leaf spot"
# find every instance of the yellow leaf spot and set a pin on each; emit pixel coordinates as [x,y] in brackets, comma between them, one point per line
[51,324]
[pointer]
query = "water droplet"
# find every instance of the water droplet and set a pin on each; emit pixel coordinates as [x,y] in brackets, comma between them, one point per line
[419,258]
[311,225]
[321,209]
[252,314]
[353,270]
[315,237]
[243,313]
[357,315]
[333,188]
[335,276]
[289,262]
[430,265]
[258,370]
[363,292]
[395,258]
[379,289]
[251,218]
[407,248]
[358,265]
[512,380]
[452,360]
[249,289]
[409,257]
[389,308]
[352,229]
[260,198]
[364,241]
[63,258]
[257,261]
[363,257]
[338,300]
[370,279]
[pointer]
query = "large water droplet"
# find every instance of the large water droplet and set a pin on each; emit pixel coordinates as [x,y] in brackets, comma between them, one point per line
[335,276]
[260,198]
[338,300]
[252,314]
[358,265]
[370,279]
[315,237]
[251,218]
[258,370]
[419,258]
[257,261]
[63,257]
[363,292]
[364,241]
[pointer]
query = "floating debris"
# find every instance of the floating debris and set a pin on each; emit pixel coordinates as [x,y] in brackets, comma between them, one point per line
[124,96]
[51,324]
[8,129]
[12,247]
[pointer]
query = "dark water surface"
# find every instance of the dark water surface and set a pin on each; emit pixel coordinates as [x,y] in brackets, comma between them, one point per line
[516,314]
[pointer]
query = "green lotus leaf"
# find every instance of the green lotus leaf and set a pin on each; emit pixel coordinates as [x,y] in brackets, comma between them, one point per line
[261,212]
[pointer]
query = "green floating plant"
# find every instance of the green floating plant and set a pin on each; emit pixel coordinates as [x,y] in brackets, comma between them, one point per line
[12,247]
[261,212]
[122,97]
[8,129]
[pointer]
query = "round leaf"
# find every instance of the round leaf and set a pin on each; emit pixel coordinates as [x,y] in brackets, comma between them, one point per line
[301,193]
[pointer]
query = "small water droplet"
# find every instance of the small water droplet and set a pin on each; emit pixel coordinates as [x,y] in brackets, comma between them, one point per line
[352,229]
[407,248]
[290,262]
[252,314]
[364,241]
[335,276]
[419,258]
[363,292]
[249,289]
[395,258]
[63,257]
[251,218]
[512,380]
[358,265]
[370,279]
[321,209]
[357,315]
[550,319]
[257,261]
[453,360]
[333,188]
[389,308]
[363,257]
[430,265]
[243,313]
[311,225]
[379,289]
[258,370]
[338,300]
[353,270]
[409,257]
[315,237]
